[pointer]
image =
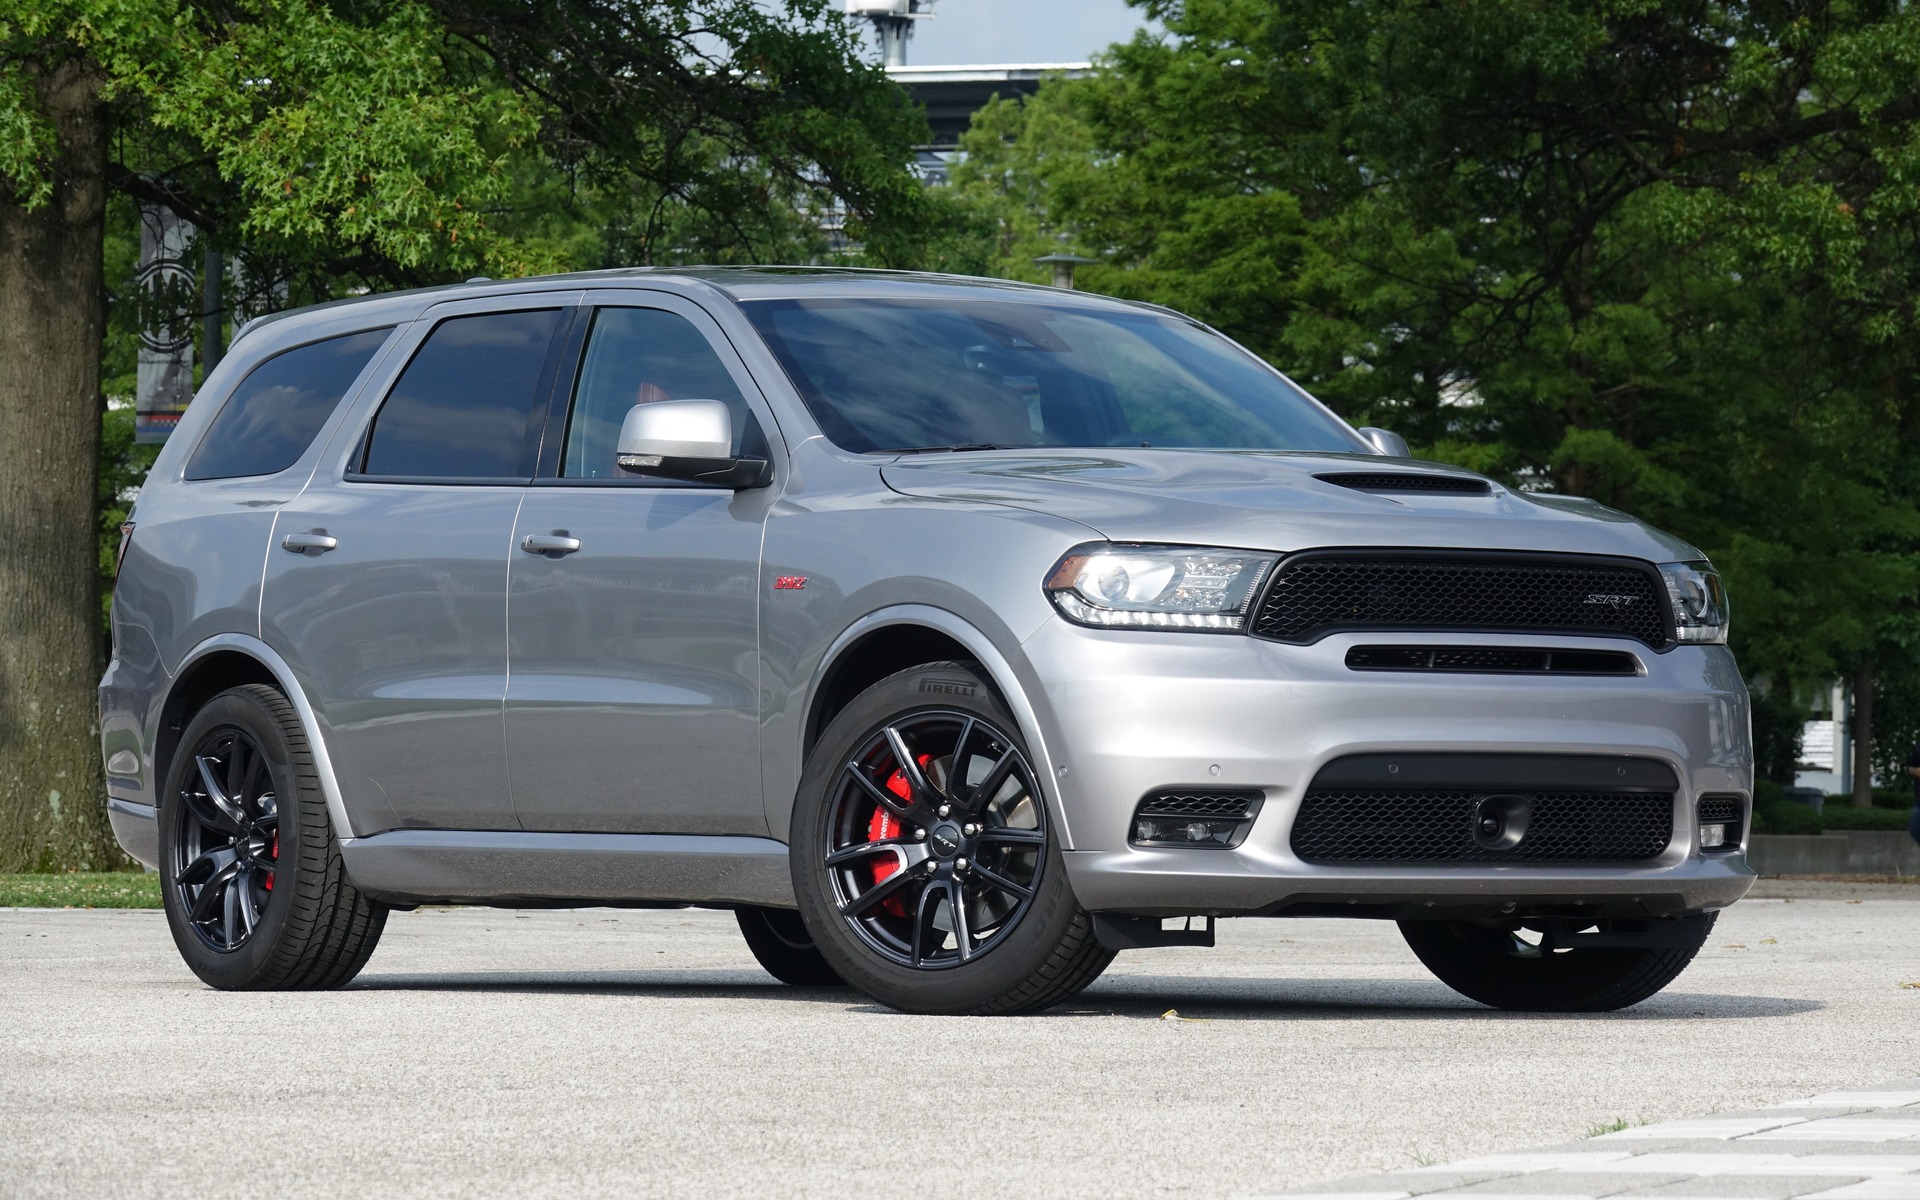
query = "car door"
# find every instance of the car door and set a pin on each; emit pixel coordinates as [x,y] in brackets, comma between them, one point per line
[386,582]
[633,702]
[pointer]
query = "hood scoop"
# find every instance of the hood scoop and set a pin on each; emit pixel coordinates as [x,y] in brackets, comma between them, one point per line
[1407,481]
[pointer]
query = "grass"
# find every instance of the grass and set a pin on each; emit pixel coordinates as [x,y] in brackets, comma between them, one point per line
[1613,1126]
[98,889]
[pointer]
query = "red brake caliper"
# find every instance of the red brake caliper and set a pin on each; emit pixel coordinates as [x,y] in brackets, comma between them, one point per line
[885,825]
[273,852]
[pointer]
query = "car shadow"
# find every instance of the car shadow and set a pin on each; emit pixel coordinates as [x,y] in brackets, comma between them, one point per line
[1266,998]
[1144,997]
[669,984]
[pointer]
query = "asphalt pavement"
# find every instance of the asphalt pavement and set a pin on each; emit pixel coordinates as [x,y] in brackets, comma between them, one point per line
[603,1053]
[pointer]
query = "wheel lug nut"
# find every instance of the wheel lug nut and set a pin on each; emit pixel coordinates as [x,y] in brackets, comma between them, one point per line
[969,830]
[919,835]
[959,864]
[945,809]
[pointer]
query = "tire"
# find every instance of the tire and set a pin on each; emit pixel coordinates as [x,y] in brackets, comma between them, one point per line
[250,872]
[1489,964]
[908,877]
[780,941]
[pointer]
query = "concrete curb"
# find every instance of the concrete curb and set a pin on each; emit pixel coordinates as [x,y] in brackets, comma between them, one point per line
[1852,852]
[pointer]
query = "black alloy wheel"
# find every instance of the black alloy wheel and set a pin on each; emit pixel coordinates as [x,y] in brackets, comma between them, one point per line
[925,860]
[1518,965]
[781,944]
[227,850]
[251,877]
[936,841]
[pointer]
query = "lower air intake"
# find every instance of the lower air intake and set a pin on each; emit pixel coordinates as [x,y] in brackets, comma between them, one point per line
[1381,826]
[1719,808]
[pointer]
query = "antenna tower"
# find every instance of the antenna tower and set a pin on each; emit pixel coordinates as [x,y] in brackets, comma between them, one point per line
[893,22]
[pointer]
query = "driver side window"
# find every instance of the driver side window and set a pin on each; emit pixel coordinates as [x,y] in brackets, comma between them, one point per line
[639,356]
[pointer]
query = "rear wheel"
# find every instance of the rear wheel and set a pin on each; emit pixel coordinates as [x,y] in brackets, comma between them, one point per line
[924,860]
[780,941]
[250,872]
[1518,968]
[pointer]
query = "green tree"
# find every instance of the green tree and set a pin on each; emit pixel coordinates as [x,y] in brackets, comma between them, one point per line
[350,145]
[1656,252]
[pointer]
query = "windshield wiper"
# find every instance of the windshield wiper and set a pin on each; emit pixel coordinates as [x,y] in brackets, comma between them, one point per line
[963,446]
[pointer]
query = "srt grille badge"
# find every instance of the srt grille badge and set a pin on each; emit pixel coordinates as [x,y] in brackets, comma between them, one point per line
[1610,599]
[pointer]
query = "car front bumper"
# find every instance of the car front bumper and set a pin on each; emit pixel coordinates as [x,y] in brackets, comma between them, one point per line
[1125,713]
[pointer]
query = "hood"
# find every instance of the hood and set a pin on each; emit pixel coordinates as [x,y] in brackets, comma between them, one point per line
[1279,501]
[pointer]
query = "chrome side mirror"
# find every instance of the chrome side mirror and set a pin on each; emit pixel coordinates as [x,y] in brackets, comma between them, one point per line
[690,440]
[1385,441]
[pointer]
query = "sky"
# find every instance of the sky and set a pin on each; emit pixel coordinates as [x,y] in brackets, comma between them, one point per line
[1019,31]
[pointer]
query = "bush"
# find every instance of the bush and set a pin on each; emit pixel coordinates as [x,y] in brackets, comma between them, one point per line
[1781,817]
[1883,798]
[1848,817]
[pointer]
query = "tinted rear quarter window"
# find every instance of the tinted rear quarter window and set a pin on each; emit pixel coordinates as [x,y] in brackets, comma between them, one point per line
[272,417]
[468,405]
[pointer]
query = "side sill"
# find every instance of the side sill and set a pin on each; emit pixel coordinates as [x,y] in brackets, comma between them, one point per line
[137,829]
[456,866]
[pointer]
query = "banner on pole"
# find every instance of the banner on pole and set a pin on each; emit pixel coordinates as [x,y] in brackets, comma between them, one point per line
[168,297]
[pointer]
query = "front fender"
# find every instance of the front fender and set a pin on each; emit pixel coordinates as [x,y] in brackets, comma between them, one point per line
[1009,672]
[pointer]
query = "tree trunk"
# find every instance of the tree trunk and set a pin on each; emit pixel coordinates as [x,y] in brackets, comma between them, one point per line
[52,321]
[1863,735]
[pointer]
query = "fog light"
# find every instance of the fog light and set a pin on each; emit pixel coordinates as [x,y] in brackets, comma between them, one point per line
[1201,819]
[1713,837]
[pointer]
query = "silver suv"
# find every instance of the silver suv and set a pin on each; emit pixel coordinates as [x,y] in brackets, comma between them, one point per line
[954,634]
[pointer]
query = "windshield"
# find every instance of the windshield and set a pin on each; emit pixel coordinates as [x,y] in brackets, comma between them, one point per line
[882,375]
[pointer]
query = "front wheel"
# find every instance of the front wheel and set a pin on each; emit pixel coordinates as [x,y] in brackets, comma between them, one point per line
[924,860]
[1517,968]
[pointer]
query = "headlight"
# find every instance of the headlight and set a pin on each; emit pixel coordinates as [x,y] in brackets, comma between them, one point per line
[1157,587]
[1699,602]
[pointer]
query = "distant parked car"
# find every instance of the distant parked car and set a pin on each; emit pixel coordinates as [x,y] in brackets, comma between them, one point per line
[954,634]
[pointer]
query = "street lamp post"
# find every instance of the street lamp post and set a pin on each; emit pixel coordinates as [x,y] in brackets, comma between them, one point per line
[1063,265]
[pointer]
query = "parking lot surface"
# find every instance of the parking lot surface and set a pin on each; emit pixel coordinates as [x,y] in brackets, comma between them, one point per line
[595,1052]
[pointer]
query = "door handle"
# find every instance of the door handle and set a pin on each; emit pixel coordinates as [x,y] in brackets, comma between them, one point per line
[553,545]
[316,542]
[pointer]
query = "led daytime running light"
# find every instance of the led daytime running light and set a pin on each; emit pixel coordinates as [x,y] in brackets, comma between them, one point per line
[1157,587]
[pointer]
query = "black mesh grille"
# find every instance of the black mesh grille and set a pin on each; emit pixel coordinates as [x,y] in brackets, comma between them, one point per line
[1492,660]
[1199,804]
[1382,481]
[1314,594]
[1364,826]
[1719,809]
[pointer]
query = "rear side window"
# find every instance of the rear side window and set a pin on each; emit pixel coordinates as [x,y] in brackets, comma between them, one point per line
[468,406]
[272,417]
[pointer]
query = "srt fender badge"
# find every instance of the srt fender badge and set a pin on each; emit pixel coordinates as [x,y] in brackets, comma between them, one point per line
[789,583]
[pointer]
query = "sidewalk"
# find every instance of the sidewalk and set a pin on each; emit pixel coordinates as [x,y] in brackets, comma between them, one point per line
[1853,1145]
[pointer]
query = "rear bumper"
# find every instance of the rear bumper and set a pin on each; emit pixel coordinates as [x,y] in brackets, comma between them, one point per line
[1128,713]
[136,829]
